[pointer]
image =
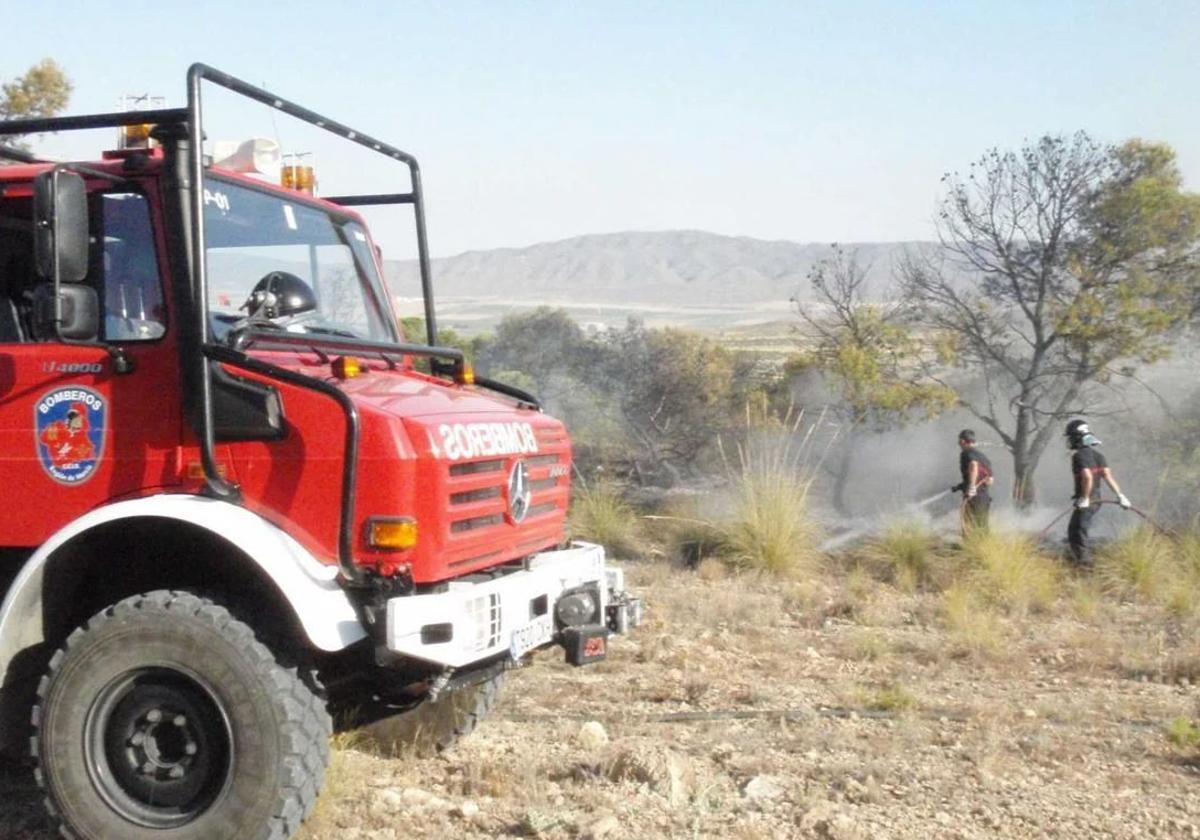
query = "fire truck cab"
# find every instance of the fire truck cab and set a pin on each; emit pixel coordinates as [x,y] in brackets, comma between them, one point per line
[239,506]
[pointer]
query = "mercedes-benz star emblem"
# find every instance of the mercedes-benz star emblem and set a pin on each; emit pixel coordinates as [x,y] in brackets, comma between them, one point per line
[519,491]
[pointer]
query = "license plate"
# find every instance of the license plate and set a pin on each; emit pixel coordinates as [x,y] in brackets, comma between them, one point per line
[534,634]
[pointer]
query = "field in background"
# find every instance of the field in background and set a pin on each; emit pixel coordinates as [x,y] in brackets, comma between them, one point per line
[745,323]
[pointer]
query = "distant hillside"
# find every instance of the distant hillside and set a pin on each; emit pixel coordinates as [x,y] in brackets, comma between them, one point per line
[671,268]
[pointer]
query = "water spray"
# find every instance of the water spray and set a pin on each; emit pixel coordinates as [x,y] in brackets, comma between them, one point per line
[855,533]
[935,497]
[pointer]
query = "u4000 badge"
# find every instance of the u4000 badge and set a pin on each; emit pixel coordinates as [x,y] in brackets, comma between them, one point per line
[70,424]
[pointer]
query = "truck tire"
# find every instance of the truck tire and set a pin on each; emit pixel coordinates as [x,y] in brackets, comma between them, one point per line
[164,717]
[435,725]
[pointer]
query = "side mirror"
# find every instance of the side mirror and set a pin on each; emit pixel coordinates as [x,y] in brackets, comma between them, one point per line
[61,225]
[78,308]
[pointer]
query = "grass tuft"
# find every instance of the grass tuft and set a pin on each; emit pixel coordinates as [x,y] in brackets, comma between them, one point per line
[1010,571]
[771,528]
[890,698]
[1087,599]
[1183,733]
[868,646]
[1140,564]
[906,554]
[600,514]
[974,627]
[687,536]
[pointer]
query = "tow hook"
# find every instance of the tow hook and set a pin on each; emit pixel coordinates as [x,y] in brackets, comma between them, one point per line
[624,613]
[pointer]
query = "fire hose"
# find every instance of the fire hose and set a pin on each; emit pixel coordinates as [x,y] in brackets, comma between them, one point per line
[1149,521]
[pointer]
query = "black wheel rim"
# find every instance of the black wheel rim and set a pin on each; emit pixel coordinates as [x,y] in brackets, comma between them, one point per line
[159,746]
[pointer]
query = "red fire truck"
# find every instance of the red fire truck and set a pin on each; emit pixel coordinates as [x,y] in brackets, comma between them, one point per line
[238,504]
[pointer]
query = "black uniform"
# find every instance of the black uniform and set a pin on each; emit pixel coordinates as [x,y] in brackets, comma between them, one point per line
[978,506]
[1084,459]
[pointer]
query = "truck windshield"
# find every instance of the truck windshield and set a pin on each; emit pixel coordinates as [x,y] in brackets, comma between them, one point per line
[251,234]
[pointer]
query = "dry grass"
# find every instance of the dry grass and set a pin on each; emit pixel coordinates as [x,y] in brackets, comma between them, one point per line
[1148,565]
[686,535]
[343,778]
[1087,599]
[908,554]
[1008,570]
[868,646]
[1183,734]
[974,628]
[771,528]
[946,702]
[1139,564]
[1182,598]
[767,526]
[889,698]
[600,514]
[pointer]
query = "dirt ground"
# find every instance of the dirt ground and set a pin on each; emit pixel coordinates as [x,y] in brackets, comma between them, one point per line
[747,708]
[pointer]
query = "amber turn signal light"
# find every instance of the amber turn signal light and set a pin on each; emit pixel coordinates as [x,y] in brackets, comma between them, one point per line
[346,367]
[391,533]
[465,375]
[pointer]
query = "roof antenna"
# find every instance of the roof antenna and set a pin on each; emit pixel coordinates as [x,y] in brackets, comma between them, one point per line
[274,125]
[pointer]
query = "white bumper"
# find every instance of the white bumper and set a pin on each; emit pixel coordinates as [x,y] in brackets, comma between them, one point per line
[515,613]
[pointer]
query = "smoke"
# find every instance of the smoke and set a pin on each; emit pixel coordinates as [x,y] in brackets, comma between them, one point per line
[905,473]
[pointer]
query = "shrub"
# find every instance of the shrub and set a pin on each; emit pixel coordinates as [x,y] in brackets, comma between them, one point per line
[1141,564]
[974,628]
[771,529]
[600,514]
[907,553]
[892,698]
[687,537]
[1009,570]
[1183,734]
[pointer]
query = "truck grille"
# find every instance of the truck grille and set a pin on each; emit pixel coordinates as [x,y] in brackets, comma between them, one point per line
[460,525]
[477,493]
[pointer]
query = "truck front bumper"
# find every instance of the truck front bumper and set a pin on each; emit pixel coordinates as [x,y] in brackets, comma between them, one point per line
[570,597]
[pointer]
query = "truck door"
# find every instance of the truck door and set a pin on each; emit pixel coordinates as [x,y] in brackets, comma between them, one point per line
[74,433]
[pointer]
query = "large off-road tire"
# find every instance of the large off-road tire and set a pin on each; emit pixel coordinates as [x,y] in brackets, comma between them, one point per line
[164,718]
[436,725]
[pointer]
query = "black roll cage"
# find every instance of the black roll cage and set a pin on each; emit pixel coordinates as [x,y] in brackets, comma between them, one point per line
[202,352]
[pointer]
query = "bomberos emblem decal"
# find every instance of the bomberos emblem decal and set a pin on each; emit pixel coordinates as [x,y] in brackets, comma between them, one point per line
[70,424]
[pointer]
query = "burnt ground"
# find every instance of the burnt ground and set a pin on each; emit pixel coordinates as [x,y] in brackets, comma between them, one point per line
[749,708]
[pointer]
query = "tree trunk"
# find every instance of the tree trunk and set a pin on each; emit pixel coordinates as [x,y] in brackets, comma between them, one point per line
[1027,454]
[841,479]
[1024,493]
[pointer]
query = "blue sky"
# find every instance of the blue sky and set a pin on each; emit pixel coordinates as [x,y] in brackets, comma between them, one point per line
[539,121]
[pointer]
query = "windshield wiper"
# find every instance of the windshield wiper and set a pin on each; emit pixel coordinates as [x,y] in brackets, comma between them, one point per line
[310,328]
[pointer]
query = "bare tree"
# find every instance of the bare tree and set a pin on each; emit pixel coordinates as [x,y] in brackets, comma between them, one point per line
[868,357]
[1062,266]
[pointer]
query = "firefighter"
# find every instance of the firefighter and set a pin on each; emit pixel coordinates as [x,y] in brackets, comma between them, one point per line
[1088,467]
[976,472]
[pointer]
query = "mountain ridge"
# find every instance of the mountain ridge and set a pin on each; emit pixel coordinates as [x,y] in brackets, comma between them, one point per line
[675,267]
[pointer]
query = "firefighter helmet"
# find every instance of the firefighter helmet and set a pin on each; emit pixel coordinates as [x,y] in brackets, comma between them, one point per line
[1079,435]
[279,295]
